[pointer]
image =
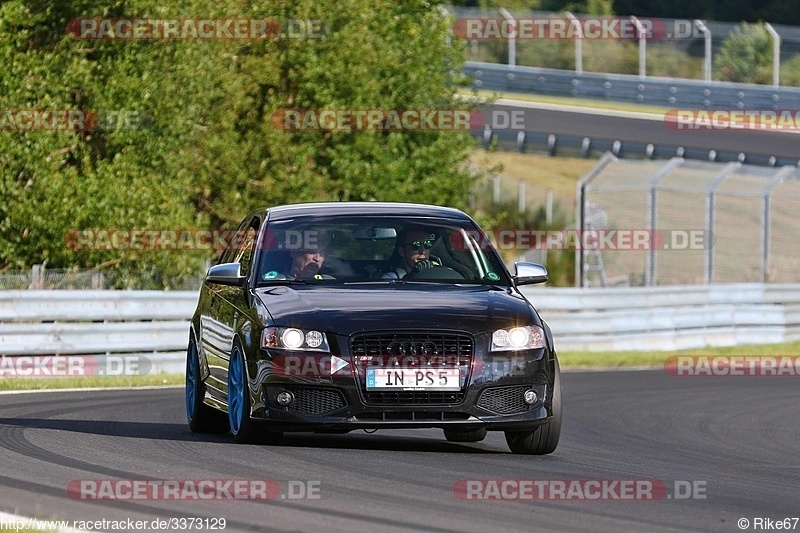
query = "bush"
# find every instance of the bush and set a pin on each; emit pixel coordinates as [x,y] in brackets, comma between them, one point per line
[668,62]
[790,72]
[746,55]
[505,215]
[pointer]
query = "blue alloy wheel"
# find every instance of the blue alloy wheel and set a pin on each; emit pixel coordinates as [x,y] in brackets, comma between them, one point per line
[235,391]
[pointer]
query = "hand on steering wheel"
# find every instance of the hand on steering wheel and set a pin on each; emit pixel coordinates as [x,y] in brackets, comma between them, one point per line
[423,265]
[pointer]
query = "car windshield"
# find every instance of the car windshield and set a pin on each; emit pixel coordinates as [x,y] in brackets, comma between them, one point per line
[377,249]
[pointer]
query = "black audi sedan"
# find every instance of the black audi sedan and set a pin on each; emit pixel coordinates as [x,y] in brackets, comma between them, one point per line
[332,317]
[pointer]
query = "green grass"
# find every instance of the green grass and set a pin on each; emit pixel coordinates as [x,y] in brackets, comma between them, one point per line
[567,359]
[634,358]
[539,172]
[90,382]
[571,101]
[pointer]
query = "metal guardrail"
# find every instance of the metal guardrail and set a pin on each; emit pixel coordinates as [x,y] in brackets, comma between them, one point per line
[567,83]
[583,146]
[147,327]
[155,324]
[576,300]
[669,318]
[664,92]
[680,38]
[91,305]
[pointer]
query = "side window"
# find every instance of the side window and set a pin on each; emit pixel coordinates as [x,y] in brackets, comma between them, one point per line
[234,243]
[244,254]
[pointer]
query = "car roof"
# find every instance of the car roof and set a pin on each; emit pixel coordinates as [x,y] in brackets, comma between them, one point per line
[362,208]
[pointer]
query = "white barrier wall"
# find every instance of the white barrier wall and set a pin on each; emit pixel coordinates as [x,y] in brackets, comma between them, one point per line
[669,318]
[156,324]
[150,326]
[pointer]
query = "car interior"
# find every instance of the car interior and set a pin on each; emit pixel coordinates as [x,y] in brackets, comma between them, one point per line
[352,262]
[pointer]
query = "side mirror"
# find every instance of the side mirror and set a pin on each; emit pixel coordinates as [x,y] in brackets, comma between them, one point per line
[226,274]
[529,273]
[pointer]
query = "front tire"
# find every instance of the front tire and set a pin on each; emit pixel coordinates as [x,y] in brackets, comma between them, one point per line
[202,418]
[543,439]
[239,399]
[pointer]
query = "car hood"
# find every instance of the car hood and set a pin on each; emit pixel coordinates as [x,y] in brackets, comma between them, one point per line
[348,310]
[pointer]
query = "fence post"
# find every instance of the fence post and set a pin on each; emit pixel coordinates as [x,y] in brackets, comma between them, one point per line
[776,54]
[640,29]
[37,277]
[652,216]
[578,42]
[473,172]
[521,197]
[548,219]
[580,211]
[706,49]
[97,280]
[512,38]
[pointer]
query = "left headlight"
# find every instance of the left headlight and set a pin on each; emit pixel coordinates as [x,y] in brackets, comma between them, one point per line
[294,339]
[520,338]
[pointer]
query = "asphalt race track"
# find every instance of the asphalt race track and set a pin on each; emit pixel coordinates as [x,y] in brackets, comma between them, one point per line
[651,129]
[738,437]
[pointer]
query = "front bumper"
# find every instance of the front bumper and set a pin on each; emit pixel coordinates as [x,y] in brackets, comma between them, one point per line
[490,397]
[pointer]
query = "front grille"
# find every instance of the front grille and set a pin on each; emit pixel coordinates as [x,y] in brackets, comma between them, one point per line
[313,401]
[413,397]
[504,400]
[412,350]
[414,416]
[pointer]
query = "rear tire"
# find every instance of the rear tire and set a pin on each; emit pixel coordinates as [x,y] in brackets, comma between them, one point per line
[473,435]
[543,439]
[202,418]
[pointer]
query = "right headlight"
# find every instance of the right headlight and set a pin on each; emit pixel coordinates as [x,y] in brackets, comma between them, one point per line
[519,338]
[294,339]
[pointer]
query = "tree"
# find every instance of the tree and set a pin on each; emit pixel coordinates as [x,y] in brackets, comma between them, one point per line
[210,150]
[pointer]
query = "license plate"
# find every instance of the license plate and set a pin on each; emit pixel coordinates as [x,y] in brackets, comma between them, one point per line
[442,379]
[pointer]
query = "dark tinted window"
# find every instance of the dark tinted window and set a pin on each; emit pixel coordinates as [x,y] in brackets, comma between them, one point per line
[372,248]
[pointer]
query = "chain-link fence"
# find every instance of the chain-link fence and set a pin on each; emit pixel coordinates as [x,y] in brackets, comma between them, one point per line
[687,222]
[41,278]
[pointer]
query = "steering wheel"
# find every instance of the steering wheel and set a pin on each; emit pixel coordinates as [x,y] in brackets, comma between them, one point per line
[433,273]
